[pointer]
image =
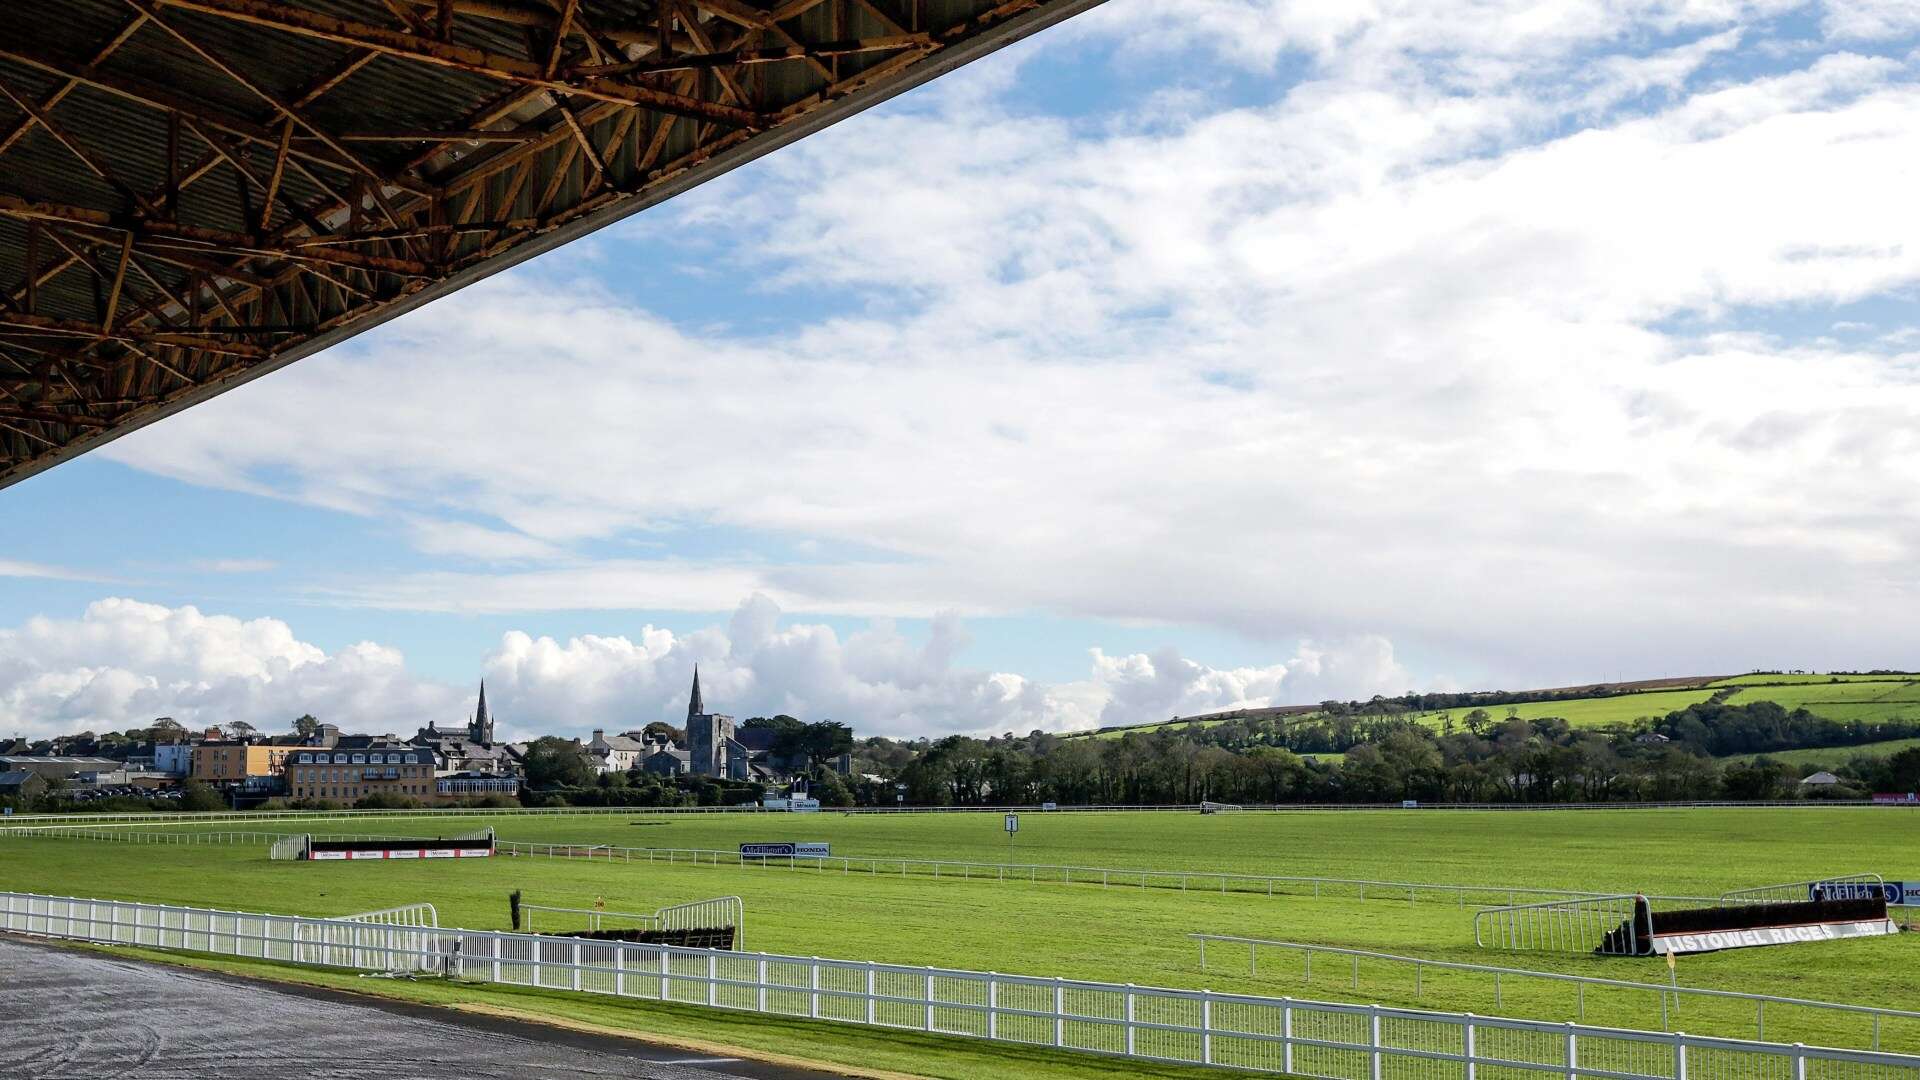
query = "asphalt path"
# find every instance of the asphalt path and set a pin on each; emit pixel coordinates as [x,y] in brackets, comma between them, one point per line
[71,1015]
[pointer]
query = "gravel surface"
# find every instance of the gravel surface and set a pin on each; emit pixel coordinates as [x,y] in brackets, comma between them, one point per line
[75,1016]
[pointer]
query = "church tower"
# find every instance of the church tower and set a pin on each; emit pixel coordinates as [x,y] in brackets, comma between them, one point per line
[480,730]
[707,735]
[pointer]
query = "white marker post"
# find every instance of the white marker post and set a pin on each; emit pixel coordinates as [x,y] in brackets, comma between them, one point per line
[1013,826]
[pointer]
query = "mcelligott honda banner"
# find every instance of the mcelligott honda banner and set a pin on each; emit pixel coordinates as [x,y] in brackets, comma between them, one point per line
[784,851]
[1714,940]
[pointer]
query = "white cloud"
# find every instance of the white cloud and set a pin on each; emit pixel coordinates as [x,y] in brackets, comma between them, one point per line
[123,663]
[1433,346]
[15,568]
[235,566]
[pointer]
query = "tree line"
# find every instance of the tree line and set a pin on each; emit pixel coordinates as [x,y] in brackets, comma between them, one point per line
[1386,758]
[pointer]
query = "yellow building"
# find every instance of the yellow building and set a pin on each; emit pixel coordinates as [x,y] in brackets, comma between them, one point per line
[232,761]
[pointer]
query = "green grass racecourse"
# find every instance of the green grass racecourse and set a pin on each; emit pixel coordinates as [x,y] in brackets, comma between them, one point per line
[1119,934]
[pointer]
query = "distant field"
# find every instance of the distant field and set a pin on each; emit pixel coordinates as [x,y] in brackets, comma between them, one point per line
[1812,694]
[1117,934]
[1863,698]
[1753,680]
[1834,756]
[1584,712]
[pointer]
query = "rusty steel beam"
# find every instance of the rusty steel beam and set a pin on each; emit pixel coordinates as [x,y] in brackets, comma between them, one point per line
[155,232]
[138,308]
[474,61]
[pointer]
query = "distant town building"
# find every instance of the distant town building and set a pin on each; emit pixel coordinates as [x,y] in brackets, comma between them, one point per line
[617,753]
[347,773]
[233,761]
[472,748]
[56,766]
[1820,779]
[712,749]
[22,784]
[174,759]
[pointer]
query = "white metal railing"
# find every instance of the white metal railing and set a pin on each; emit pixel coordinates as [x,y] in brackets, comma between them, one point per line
[421,914]
[1666,992]
[188,817]
[1329,1040]
[1582,925]
[595,917]
[943,869]
[1851,886]
[715,913]
[1064,874]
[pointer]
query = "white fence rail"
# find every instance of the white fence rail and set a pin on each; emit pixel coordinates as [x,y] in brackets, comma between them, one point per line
[177,816]
[1799,892]
[1667,993]
[421,914]
[715,913]
[943,869]
[1275,1035]
[1582,925]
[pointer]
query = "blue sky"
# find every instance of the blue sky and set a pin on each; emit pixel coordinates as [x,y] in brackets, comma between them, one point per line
[1188,355]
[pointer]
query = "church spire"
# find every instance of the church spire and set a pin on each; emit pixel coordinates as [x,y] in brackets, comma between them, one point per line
[481,730]
[694,708]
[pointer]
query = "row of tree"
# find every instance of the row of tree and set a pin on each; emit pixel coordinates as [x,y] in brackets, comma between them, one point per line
[1384,760]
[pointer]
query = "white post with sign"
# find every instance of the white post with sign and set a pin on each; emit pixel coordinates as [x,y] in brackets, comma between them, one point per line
[1013,826]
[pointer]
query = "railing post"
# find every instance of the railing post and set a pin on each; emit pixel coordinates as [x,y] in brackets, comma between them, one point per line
[576,964]
[1471,1055]
[813,995]
[496,959]
[1800,1061]
[1373,1041]
[1286,1035]
[993,1005]
[1059,1012]
[619,970]
[713,978]
[928,997]
[870,995]
[1130,1032]
[1573,1052]
[1206,1027]
[1679,1055]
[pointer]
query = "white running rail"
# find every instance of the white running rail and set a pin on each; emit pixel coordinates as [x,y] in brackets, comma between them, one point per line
[421,914]
[1573,926]
[711,914]
[1847,886]
[1328,1040]
[1908,1018]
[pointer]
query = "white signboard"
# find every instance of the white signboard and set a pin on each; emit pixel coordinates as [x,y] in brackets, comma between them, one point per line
[1898,893]
[1714,940]
[1013,824]
[784,850]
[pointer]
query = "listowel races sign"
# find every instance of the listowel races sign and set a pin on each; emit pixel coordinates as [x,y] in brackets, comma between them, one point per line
[1714,940]
[785,850]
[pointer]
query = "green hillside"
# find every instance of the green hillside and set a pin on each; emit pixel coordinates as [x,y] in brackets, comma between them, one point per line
[1843,698]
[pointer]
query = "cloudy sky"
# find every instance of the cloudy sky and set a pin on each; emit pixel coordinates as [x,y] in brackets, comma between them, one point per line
[1196,352]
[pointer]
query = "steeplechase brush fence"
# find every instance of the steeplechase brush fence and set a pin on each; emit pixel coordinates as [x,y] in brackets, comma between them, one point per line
[1327,1040]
